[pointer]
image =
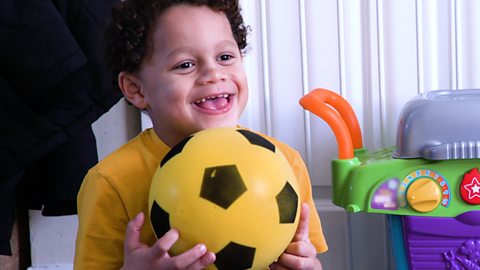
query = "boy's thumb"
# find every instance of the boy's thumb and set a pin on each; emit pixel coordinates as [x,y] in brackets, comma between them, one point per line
[132,234]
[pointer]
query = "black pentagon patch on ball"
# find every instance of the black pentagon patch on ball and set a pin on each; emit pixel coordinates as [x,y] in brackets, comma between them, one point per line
[235,257]
[175,150]
[160,220]
[256,139]
[222,185]
[287,201]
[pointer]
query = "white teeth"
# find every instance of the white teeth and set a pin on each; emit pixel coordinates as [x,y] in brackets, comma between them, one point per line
[212,97]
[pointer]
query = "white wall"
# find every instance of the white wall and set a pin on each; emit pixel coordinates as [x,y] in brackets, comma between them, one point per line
[377,54]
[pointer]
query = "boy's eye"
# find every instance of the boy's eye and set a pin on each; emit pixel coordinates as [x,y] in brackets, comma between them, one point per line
[225,57]
[184,65]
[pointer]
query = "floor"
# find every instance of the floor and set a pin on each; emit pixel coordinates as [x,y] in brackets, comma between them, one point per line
[20,259]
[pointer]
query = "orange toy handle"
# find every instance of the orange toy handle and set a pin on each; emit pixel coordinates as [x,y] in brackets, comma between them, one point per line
[341,119]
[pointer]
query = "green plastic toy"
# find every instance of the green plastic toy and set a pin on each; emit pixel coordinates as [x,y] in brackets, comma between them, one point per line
[426,174]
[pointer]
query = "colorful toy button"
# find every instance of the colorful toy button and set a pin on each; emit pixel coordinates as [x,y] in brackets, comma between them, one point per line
[470,187]
[424,195]
[425,174]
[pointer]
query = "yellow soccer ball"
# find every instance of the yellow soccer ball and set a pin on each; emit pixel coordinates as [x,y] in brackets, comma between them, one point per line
[230,189]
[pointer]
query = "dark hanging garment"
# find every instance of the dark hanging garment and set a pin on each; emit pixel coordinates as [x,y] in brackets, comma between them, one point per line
[53,85]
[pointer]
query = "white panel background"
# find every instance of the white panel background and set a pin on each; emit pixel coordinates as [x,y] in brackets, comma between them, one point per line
[376,53]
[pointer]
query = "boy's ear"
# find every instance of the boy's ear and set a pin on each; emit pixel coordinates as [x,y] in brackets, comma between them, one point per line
[132,89]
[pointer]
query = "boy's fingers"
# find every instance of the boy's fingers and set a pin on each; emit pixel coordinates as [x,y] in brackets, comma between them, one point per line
[302,229]
[163,244]
[206,260]
[301,249]
[132,234]
[195,258]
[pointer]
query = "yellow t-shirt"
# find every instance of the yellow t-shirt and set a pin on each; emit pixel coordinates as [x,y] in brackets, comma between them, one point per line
[117,188]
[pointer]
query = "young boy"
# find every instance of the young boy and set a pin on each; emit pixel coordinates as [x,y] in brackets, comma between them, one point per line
[181,62]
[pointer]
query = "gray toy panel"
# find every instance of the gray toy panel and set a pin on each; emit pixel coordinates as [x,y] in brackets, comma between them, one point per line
[440,125]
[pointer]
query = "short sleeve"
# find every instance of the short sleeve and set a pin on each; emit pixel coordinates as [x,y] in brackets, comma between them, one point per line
[102,222]
[315,227]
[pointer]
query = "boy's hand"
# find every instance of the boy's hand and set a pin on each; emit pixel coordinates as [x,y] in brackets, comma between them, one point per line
[140,256]
[300,253]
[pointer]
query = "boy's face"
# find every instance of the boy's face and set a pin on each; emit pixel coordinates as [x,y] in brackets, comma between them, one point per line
[193,77]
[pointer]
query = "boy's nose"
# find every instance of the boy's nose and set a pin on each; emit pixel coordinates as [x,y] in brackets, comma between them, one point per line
[211,75]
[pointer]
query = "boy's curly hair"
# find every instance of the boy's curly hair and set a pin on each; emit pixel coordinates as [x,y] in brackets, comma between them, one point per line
[132,20]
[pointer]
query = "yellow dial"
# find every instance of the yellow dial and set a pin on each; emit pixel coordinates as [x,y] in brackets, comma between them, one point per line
[424,195]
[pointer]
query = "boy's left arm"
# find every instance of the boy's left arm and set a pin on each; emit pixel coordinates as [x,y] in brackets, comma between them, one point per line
[300,253]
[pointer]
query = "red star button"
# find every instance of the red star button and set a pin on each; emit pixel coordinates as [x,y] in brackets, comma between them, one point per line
[470,187]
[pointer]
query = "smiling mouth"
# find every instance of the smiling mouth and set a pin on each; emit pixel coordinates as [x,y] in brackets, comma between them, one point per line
[214,103]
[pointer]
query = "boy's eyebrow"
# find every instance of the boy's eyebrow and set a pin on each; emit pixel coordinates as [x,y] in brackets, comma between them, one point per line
[188,49]
[228,42]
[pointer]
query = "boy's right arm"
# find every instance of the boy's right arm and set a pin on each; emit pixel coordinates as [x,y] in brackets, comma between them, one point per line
[140,256]
[101,228]
[106,239]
